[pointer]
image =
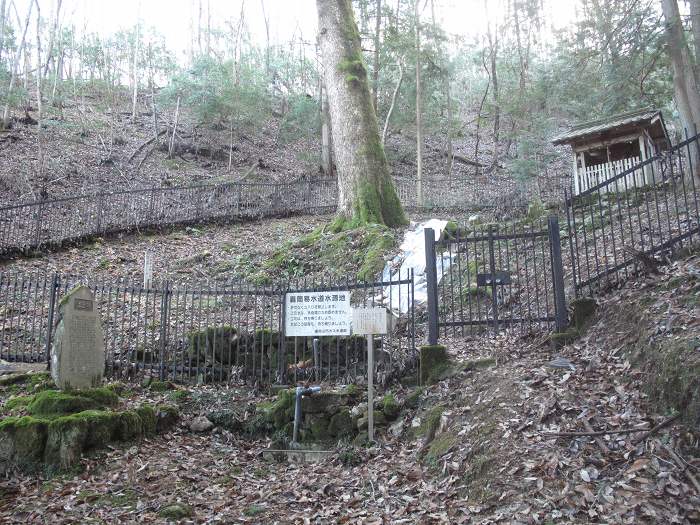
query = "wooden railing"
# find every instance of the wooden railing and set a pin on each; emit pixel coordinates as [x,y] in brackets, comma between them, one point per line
[591,176]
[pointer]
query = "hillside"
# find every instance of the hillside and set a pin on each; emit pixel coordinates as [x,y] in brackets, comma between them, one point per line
[509,434]
[89,147]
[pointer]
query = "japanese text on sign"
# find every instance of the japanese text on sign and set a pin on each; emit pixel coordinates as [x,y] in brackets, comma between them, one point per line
[317,313]
[366,321]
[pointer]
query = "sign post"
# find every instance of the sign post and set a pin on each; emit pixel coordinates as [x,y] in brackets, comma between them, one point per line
[369,321]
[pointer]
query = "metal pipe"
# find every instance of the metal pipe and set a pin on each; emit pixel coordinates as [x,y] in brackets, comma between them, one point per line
[300,392]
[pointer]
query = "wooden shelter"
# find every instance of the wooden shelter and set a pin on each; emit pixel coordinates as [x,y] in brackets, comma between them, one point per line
[604,148]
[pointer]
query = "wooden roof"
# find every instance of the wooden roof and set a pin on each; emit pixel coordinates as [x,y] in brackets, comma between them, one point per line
[617,125]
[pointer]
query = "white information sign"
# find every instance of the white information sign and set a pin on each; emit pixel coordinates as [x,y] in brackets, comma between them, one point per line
[317,313]
[366,321]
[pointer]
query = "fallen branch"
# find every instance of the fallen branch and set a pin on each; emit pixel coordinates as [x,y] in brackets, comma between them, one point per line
[595,432]
[465,160]
[144,144]
[247,173]
[655,429]
[600,442]
[681,465]
[647,261]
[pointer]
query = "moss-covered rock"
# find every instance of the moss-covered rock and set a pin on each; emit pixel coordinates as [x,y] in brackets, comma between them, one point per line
[175,511]
[324,402]
[568,336]
[430,422]
[54,402]
[390,407]
[130,426]
[281,411]
[379,420]
[167,417]
[583,310]
[433,361]
[67,437]
[413,399]
[341,424]
[440,446]
[148,418]
[22,442]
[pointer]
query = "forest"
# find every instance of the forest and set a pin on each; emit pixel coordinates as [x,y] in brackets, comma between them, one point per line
[350,261]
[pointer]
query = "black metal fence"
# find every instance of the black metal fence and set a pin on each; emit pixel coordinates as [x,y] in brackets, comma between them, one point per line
[231,332]
[33,225]
[617,225]
[494,277]
[36,224]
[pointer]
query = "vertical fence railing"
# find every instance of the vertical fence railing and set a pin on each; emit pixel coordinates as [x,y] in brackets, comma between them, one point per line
[52,222]
[494,278]
[208,333]
[617,224]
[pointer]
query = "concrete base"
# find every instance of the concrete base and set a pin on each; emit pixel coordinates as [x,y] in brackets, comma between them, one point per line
[296,456]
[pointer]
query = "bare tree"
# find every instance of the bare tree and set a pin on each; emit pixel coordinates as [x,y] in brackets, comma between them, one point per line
[135,65]
[419,110]
[38,64]
[266,19]
[15,65]
[493,74]
[366,191]
[397,88]
[3,16]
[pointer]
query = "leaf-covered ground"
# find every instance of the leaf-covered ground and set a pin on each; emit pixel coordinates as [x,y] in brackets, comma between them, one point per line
[508,444]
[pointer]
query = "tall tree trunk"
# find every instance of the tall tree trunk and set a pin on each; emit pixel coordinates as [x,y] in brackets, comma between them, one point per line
[135,67]
[393,103]
[366,192]
[419,111]
[3,16]
[695,27]
[208,35]
[686,85]
[39,107]
[266,18]
[52,39]
[375,66]
[493,54]
[326,143]
[15,65]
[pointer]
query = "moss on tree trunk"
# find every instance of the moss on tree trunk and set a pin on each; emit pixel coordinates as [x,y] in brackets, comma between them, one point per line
[366,190]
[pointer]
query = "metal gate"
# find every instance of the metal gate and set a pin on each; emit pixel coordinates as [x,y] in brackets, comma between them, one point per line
[494,277]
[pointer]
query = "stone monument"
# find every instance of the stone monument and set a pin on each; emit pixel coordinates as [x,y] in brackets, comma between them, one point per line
[78,349]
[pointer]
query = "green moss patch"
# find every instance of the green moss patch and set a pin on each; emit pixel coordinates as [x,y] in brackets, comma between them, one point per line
[430,422]
[53,402]
[440,446]
[361,251]
[175,511]
[673,381]
[433,362]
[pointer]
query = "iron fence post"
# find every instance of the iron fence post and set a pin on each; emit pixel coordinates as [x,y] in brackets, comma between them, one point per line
[431,281]
[561,317]
[164,316]
[98,216]
[39,219]
[494,291]
[282,348]
[55,284]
